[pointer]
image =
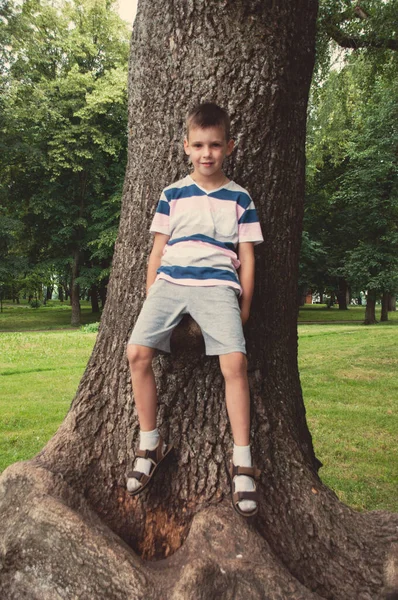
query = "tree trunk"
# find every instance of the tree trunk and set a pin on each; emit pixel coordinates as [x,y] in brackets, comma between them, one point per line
[370,312]
[385,298]
[75,291]
[66,521]
[392,303]
[102,293]
[94,299]
[60,293]
[342,294]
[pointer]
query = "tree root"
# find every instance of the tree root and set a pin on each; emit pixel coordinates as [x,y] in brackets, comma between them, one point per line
[54,547]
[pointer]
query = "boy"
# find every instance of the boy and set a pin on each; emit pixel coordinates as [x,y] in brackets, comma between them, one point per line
[199,224]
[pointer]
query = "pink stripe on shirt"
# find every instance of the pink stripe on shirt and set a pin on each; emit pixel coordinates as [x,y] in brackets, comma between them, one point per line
[200,203]
[250,232]
[216,249]
[160,221]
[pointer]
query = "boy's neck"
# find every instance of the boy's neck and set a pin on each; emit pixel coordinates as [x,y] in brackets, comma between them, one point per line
[210,183]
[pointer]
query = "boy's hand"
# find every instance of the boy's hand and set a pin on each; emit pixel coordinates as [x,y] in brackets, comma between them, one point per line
[155,258]
[246,276]
[244,315]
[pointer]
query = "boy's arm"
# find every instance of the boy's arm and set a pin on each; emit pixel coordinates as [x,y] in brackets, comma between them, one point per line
[155,257]
[246,277]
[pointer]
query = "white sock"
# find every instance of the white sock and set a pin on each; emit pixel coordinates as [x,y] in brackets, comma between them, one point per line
[148,441]
[242,458]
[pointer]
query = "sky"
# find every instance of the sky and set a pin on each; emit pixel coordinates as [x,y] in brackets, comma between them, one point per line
[127,10]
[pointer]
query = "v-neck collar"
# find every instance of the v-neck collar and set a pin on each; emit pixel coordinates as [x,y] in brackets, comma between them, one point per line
[209,191]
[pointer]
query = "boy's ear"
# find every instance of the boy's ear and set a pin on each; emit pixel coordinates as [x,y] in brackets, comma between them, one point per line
[186,146]
[230,147]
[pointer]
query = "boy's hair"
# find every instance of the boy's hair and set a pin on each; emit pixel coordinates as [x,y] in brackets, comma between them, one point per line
[206,115]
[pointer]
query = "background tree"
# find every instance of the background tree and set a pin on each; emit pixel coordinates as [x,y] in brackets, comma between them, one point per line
[352,176]
[77,528]
[65,124]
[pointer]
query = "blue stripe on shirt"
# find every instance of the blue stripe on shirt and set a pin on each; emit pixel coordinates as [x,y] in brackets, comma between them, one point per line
[202,238]
[249,216]
[183,192]
[188,191]
[163,208]
[240,198]
[200,273]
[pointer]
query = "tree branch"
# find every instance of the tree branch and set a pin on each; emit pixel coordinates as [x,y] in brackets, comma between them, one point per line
[351,41]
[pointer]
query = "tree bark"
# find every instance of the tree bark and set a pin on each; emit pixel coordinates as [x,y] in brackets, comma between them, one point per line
[75,291]
[66,521]
[60,293]
[370,312]
[342,294]
[102,290]
[385,298]
[392,303]
[94,299]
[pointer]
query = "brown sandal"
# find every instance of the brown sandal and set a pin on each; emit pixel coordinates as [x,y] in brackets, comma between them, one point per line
[252,472]
[156,456]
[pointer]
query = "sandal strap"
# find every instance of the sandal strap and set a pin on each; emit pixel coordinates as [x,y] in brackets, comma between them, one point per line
[249,471]
[155,456]
[238,496]
[141,477]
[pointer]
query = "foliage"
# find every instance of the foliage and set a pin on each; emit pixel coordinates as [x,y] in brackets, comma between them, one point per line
[35,304]
[63,90]
[90,328]
[351,200]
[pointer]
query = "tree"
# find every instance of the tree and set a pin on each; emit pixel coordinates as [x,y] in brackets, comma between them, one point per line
[77,529]
[351,206]
[65,122]
[368,24]
[371,186]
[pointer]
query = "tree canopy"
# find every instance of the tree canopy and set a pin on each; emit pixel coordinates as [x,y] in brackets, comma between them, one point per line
[64,130]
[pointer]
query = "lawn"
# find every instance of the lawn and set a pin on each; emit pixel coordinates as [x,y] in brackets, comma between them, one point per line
[348,375]
[319,312]
[349,380]
[39,375]
[56,315]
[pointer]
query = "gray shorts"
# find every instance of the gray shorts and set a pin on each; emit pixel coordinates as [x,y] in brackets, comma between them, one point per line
[214,308]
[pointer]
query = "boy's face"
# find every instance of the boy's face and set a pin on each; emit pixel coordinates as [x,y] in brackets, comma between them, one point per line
[207,149]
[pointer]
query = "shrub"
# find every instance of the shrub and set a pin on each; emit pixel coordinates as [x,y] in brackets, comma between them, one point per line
[90,328]
[35,303]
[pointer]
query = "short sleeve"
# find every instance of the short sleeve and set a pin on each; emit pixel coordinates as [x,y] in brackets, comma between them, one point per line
[161,220]
[249,229]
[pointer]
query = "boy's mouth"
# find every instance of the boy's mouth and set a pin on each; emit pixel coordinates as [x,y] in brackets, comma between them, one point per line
[207,164]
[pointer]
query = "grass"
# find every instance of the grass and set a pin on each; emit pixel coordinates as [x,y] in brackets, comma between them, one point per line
[56,315]
[39,375]
[348,375]
[319,312]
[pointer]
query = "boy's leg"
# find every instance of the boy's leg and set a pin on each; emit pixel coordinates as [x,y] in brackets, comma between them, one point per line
[144,386]
[237,395]
[145,396]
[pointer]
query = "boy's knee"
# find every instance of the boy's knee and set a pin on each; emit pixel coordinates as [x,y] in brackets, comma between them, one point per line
[233,365]
[139,356]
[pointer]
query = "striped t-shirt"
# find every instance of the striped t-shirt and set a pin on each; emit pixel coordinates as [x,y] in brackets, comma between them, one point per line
[205,229]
